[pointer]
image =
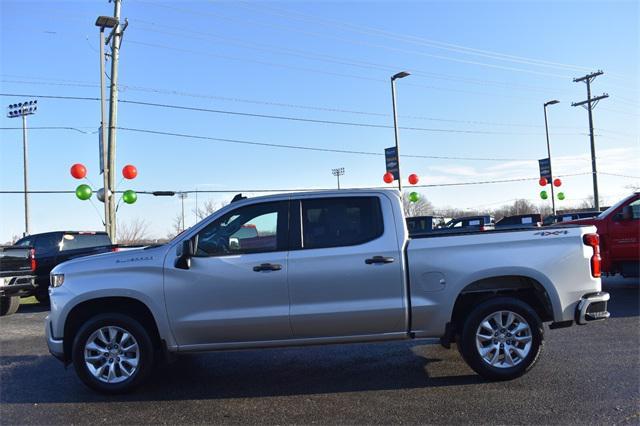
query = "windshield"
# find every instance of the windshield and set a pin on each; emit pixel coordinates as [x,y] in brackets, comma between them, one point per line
[612,208]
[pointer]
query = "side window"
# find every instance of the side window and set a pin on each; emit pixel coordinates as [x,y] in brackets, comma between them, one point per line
[343,221]
[635,209]
[258,228]
[48,243]
[25,242]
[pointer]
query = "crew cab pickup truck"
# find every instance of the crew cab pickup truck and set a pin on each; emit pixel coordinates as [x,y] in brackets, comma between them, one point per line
[324,267]
[619,230]
[17,266]
[52,248]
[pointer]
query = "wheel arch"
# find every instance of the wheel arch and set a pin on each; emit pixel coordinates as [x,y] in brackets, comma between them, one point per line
[130,306]
[535,290]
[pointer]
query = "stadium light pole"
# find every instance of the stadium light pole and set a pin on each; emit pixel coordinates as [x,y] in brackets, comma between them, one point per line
[546,126]
[337,173]
[395,77]
[103,22]
[22,109]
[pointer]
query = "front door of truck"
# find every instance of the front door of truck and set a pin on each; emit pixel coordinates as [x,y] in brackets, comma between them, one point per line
[236,287]
[624,241]
[345,269]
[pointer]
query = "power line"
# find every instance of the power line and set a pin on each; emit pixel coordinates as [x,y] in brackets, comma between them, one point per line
[224,191]
[288,118]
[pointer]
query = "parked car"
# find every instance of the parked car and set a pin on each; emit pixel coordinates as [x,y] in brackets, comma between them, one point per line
[340,268]
[619,230]
[52,248]
[519,221]
[17,266]
[423,224]
[569,216]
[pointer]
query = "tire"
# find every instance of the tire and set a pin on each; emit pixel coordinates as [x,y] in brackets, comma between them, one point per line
[518,343]
[114,370]
[9,305]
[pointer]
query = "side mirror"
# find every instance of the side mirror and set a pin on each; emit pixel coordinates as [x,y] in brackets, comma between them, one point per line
[627,213]
[185,253]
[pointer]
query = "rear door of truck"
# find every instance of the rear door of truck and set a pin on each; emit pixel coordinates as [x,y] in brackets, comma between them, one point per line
[345,267]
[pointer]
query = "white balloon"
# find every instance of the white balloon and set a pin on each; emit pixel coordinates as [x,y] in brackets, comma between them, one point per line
[100,194]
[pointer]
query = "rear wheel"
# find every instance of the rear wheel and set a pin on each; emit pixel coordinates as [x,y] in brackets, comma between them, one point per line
[112,353]
[9,305]
[501,338]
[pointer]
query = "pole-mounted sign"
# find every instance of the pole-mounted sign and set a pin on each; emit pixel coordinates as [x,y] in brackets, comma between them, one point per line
[391,160]
[545,169]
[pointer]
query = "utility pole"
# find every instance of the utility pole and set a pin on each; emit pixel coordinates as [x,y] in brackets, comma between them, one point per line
[22,109]
[104,22]
[337,173]
[589,105]
[115,37]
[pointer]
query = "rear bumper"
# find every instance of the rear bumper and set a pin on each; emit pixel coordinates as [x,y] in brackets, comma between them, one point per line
[56,347]
[17,286]
[592,307]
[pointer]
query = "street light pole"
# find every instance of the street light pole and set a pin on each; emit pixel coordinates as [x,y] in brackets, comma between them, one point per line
[22,109]
[395,77]
[337,173]
[25,162]
[546,126]
[113,112]
[182,196]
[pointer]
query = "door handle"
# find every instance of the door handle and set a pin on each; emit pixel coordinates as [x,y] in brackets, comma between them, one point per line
[379,259]
[267,267]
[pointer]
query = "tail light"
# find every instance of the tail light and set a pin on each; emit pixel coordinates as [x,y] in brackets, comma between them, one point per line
[32,256]
[593,240]
[115,248]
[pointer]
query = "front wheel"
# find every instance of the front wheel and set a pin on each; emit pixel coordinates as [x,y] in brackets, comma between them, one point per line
[112,353]
[501,338]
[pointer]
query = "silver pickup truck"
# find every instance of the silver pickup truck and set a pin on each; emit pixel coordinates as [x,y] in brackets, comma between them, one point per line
[322,268]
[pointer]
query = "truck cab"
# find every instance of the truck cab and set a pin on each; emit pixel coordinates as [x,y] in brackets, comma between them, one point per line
[619,230]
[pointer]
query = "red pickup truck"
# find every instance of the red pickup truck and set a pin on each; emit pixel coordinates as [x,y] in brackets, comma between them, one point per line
[619,230]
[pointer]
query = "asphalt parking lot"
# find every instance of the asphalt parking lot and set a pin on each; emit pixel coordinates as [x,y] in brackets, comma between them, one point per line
[587,375]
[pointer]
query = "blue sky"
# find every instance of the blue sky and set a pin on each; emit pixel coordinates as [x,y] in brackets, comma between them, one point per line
[477,74]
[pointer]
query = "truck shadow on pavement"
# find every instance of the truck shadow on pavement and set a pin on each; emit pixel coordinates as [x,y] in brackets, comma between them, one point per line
[624,302]
[248,374]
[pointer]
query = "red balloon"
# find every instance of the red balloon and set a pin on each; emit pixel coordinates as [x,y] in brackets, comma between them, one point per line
[543,181]
[78,171]
[557,182]
[413,179]
[388,177]
[129,171]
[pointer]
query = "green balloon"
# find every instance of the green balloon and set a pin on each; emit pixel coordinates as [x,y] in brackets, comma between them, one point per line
[414,196]
[543,195]
[129,196]
[84,192]
[560,196]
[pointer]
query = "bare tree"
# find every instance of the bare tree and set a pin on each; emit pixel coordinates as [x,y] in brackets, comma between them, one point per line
[518,207]
[176,226]
[134,232]
[209,207]
[422,207]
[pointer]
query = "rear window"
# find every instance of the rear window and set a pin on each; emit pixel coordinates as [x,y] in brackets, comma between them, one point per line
[343,221]
[80,241]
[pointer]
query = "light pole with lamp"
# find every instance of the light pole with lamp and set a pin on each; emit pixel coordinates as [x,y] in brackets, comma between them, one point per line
[546,126]
[22,109]
[104,22]
[337,173]
[395,77]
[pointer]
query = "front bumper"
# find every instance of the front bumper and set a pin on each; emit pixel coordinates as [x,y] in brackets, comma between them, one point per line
[56,347]
[592,307]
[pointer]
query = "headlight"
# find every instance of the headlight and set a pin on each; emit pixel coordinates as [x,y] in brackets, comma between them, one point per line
[56,280]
